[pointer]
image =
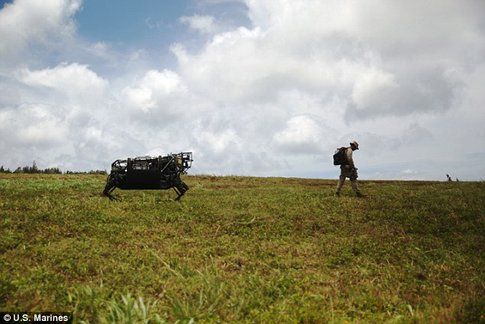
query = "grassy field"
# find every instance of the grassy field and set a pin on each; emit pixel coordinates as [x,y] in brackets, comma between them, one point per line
[243,249]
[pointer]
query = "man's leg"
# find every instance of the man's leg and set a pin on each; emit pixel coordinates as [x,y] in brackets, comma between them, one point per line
[355,187]
[341,181]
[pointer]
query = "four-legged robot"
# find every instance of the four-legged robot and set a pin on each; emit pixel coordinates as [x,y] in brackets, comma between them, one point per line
[162,172]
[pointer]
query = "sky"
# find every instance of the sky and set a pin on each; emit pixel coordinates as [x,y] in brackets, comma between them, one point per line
[261,88]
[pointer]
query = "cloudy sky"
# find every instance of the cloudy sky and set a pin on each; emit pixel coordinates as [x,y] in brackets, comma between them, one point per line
[252,87]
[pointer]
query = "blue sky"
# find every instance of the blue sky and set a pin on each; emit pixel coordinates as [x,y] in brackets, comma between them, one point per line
[3,2]
[131,23]
[151,25]
[265,88]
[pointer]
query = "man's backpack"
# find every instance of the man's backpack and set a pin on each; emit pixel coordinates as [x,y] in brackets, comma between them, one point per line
[340,158]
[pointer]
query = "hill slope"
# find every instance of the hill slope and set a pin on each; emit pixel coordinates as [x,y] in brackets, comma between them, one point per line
[238,248]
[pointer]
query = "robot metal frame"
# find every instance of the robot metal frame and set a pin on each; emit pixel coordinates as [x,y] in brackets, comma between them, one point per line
[149,173]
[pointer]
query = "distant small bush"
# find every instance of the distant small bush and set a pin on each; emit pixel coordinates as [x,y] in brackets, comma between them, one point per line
[87,172]
[3,170]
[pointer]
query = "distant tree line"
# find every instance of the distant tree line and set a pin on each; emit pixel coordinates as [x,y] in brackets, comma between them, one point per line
[31,169]
[34,169]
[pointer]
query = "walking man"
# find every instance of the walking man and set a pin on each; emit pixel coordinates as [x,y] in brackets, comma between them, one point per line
[348,170]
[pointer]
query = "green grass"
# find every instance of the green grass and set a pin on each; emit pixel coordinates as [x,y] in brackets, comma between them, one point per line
[243,249]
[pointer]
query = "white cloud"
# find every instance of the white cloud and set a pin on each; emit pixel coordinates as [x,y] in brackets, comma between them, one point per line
[370,87]
[203,24]
[218,142]
[66,78]
[155,86]
[25,22]
[32,126]
[301,135]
